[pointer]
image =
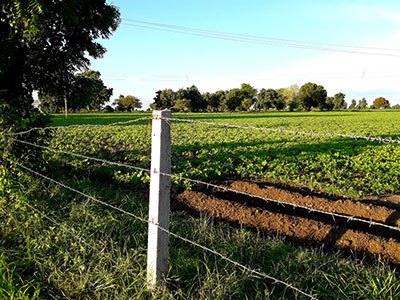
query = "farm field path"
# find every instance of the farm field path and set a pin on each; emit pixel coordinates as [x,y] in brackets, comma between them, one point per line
[308,227]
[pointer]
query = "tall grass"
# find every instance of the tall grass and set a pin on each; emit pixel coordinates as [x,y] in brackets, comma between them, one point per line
[104,256]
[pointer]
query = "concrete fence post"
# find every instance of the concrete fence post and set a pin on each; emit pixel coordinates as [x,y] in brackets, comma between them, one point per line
[159,202]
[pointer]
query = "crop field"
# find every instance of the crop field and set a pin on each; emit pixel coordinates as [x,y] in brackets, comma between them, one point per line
[339,166]
[57,244]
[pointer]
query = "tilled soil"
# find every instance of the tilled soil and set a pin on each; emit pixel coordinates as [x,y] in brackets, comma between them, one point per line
[304,225]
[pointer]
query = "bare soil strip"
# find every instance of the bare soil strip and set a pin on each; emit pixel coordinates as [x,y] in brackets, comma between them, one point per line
[300,224]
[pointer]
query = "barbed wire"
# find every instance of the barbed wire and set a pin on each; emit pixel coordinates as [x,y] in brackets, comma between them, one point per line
[79,125]
[82,156]
[349,218]
[223,257]
[388,140]
[77,191]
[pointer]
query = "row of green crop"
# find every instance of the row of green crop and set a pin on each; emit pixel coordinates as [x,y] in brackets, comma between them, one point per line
[335,165]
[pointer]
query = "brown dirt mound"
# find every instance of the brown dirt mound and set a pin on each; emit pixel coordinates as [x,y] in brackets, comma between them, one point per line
[301,225]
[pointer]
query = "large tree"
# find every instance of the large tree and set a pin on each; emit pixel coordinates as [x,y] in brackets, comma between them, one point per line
[127,103]
[164,99]
[182,105]
[232,100]
[269,98]
[194,99]
[312,95]
[289,94]
[248,91]
[362,104]
[87,91]
[329,103]
[353,104]
[339,102]
[214,100]
[43,43]
[380,102]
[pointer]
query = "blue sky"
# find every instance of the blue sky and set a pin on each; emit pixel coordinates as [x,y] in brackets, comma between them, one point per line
[140,61]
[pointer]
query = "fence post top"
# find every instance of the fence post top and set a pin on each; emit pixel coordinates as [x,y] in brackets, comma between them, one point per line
[166,113]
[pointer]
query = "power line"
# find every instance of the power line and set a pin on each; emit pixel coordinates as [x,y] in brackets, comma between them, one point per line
[277,42]
[255,37]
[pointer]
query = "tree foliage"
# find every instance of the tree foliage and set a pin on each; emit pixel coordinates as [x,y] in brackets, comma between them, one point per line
[269,98]
[87,92]
[339,102]
[233,100]
[127,103]
[246,104]
[329,103]
[312,95]
[380,102]
[307,97]
[193,96]
[289,94]
[164,99]
[353,104]
[182,105]
[248,91]
[42,45]
[362,104]
[214,100]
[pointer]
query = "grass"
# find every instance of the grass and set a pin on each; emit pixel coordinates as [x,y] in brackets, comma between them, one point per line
[104,255]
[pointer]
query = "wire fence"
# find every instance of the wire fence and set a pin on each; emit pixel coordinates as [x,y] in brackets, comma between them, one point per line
[142,219]
[380,139]
[386,140]
[289,205]
[336,217]
[121,123]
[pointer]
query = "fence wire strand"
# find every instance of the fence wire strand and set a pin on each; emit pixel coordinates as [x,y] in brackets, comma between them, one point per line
[349,218]
[82,156]
[388,140]
[284,203]
[333,215]
[79,125]
[223,257]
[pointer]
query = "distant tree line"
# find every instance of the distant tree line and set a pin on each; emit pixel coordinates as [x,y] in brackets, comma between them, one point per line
[90,94]
[308,97]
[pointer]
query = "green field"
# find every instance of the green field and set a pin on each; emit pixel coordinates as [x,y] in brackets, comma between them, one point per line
[330,164]
[104,256]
